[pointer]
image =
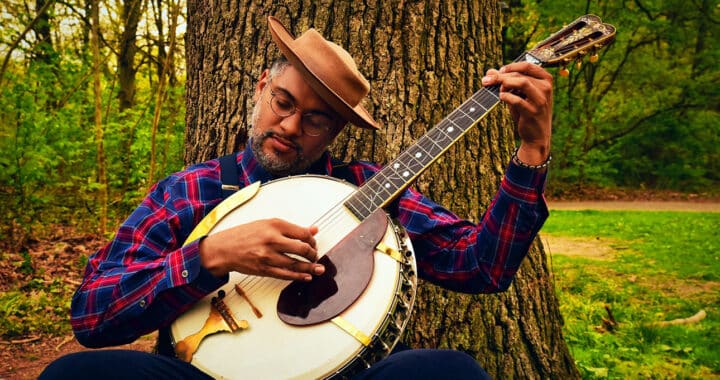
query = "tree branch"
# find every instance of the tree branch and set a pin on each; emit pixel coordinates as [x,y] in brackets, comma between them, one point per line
[641,121]
[15,43]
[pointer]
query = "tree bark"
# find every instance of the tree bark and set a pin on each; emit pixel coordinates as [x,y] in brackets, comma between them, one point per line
[130,18]
[131,11]
[422,59]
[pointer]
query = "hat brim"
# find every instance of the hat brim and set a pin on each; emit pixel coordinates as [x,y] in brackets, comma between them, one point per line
[357,115]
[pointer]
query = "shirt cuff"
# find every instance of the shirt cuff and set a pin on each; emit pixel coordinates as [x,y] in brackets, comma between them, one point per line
[524,184]
[184,268]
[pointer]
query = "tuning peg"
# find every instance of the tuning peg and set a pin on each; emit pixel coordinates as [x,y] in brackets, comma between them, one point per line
[594,58]
[564,72]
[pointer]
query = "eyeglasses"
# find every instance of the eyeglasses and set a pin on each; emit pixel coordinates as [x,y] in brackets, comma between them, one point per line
[313,123]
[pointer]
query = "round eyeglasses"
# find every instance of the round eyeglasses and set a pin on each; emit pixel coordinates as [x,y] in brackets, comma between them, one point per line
[313,123]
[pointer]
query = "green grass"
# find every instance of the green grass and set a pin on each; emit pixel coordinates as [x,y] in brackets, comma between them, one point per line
[664,265]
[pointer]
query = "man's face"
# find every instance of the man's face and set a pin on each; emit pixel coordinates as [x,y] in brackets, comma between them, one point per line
[279,143]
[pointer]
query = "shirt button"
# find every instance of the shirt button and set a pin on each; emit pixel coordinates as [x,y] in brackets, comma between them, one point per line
[142,304]
[184,273]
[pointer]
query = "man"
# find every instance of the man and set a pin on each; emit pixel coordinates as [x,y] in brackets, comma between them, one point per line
[145,277]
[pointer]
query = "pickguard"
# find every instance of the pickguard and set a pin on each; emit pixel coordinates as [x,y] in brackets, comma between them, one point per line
[348,269]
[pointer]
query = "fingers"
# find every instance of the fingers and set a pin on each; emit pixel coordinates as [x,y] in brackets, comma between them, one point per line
[290,238]
[528,91]
[522,84]
[527,68]
[288,268]
[289,251]
[271,247]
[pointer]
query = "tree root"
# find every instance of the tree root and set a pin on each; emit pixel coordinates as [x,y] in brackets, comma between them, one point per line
[65,341]
[22,341]
[699,316]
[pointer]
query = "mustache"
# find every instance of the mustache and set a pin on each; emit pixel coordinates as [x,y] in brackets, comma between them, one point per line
[294,144]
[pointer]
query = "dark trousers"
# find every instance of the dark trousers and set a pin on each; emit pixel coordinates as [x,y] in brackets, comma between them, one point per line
[136,365]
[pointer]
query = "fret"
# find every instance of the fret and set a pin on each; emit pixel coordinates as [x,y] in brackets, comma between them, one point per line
[360,207]
[381,185]
[355,207]
[416,158]
[428,150]
[397,177]
[379,190]
[439,138]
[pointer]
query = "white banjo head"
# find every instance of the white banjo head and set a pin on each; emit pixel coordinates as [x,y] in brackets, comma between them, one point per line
[269,348]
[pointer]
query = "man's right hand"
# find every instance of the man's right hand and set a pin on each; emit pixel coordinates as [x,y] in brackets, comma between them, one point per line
[261,248]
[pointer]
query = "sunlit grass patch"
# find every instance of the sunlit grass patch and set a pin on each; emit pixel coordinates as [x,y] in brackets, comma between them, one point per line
[664,266]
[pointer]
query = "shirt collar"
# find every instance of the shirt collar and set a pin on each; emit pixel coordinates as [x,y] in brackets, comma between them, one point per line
[253,171]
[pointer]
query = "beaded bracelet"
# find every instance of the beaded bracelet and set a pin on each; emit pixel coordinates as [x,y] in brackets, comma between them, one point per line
[545,163]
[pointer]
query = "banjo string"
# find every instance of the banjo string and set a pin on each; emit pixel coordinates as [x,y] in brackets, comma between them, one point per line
[257,286]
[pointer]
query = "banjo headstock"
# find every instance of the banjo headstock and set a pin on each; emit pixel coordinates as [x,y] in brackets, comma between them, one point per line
[583,36]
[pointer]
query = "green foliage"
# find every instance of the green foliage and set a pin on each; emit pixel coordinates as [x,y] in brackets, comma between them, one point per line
[48,152]
[647,114]
[687,244]
[664,267]
[26,266]
[40,310]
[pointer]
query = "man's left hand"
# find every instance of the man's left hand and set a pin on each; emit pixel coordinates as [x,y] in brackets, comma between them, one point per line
[528,91]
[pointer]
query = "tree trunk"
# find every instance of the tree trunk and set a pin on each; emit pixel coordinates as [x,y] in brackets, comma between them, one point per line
[131,11]
[99,130]
[44,48]
[423,60]
[130,18]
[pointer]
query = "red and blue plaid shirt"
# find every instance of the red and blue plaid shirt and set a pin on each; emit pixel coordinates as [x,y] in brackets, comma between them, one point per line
[145,278]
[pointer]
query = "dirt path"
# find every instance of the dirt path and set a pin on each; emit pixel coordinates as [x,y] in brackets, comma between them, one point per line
[601,248]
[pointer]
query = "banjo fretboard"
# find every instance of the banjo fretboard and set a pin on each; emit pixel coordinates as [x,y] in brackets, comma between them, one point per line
[386,184]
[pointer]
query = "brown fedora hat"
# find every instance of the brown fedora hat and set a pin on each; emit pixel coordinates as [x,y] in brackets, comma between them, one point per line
[328,69]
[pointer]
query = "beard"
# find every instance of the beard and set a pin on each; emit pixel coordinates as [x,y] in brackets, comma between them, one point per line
[272,163]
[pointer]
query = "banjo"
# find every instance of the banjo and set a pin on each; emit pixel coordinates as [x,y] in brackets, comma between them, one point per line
[354,314]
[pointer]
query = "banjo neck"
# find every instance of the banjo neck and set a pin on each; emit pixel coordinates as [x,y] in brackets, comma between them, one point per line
[583,36]
[383,187]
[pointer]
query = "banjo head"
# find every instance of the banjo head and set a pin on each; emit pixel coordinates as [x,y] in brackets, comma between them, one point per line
[268,348]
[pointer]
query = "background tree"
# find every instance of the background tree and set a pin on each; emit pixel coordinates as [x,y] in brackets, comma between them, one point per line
[422,59]
[131,11]
[99,129]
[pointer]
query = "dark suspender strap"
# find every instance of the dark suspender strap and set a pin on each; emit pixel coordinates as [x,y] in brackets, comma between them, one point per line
[341,170]
[229,174]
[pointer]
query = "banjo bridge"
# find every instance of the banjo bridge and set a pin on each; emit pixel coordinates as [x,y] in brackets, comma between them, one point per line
[221,308]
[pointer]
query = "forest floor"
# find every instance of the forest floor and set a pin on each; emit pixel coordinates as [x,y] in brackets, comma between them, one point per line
[25,358]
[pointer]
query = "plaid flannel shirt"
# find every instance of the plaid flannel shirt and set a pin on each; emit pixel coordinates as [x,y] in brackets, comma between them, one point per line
[144,278]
